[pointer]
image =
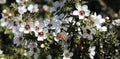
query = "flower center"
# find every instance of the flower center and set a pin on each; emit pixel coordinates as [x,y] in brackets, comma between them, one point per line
[37,28]
[40,33]
[27,27]
[58,8]
[34,49]
[62,24]
[88,31]
[6,19]
[49,25]
[14,23]
[33,9]
[82,12]
[66,54]
[61,36]
[20,38]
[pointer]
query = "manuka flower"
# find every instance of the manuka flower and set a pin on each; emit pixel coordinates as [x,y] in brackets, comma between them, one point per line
[51,24]
[34,50]
[67,54]
[57,5]
[97,21]
[33,8]
[22,9]
[92,52]
[38,25]
[88,32]
[81,11]
[25,27]
[58,35]
[17,40]
[41,35]
[4,21]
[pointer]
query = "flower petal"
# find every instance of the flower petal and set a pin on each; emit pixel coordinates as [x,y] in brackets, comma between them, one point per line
[75,12]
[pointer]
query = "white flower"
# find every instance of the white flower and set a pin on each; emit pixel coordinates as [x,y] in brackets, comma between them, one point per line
[88,32]
[92,52]
[34,50]
[51,24]
[2,1]
[67,54]
[33,8]
[15,26]
[97,19]
[58,35]
[81,11]
[38,25]
[17,40]
[57,5]
[116,22]
[22,9]
[41,35]
[25,27]
[61,22]
[4,21]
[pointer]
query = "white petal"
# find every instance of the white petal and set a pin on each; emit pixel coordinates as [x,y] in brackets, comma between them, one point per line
[21,29]
[85,7]
[93,31]
[81,17]
[78,7]
[40,39]
[90,37]
[56,39]
[53,9]
[92,57]
[30,53]
[87,13]
[104,28]
[4,24]
[26,31]
[56,4]
[75,12]
[71,54]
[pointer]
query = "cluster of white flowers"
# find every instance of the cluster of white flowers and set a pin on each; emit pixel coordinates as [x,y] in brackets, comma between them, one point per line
[22,8]
[59,23]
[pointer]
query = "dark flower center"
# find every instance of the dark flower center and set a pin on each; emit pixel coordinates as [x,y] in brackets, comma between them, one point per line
[34,49]
[49,25]
[6,19]
[82,12]
[37,28]
[14,23]
[20,38]
[88,31]
[27,27]
[40,33]
[66,54]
